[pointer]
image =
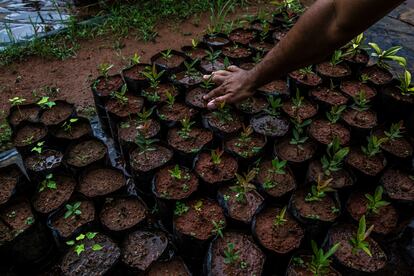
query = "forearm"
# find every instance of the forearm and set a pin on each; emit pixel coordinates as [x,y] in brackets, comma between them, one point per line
[327,25]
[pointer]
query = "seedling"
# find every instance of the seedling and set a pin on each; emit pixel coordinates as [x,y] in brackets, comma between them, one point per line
[67,126]
[280,218]
[180,208]
[170,99]
[207,84]
[319,190]
[153,76]
[231,256]
[361,102]
[374,145]
[198,206]
[216,156]
[45,103]
[320,262]
[38,148]
[218,13]
[298,132]
[245,136]
[48,182]
[145,144]
[226,63]
[144,115]
[218,228]
[332,160]
[244,185]
[104,68]
[396,131]
[375,201]
[305,71]
[298,99]
[334,114]
[185,130]
[383,56]
[223,113]
[406,86]
[278,166]
[337,57]
[119,96]
[258,57]
[178,174]
[364,78]
[79,246]
[356,45]
[17,101]
[73,210]
[359,242]
[167,54]
[190,69]
[274,106]
[194,43]
[212,56]
[29,221]
[264,34]
[135,59]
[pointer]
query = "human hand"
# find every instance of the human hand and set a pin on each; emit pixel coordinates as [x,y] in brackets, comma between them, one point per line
[235,85]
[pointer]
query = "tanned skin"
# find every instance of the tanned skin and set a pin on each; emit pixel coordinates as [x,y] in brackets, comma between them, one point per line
[324,27]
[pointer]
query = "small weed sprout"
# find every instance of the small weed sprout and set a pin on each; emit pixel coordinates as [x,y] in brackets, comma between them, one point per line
[79,246]
[298,132]
[334,114]
[374,145]
[406,86]
[275,104]
[48,183]
[359,242]
[361,103]
[185,130]
[215,156]
[231,256]
[180,208]
[332,160]
[67,125]
[218,228]
[38,148]
[320,260]
[319,190]
[280,218]
[45,103]
[73,210]
[119,96]
[396,130]
[375,201]
[258,57]
[104,68]
[244,185]
[383,56]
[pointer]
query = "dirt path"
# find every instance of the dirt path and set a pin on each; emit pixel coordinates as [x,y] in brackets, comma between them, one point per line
[74,75]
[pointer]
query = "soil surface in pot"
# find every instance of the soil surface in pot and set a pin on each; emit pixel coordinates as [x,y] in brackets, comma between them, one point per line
[340,178]
[327,96]
[305,111]
[186,79]
[68,226]
[176,112]
[195,53]
[141,248]
[365,119]
[352,88]
[322,210]
[168,187]
[236,52]
[247,66]
[241,210]
[371,166]
[119,214]
[159,94]
[135,72]
[268,125]
[85,153]
[261,46]
[171,62]
[130,128]
[359,58]
[294,153]
[277,87]
[22,113]
[209,67]
[194,97]
[377,75]
[100,181]
[174,267]
[198,221]
[8,182]
[384,221]
[277,238]
[252,105]
[15,218]
[251,258]
[133,105]
[48,200]
[48,159]
[398,184]
[301,267]
[91,262]
[333,71]
[246,149]
[212,173]
[149,160]
[399,147]
[196,140]
[104,87]
[229,125]
[78,129]
[29,134]
[216,40]
[242,36]
[306,79]
[395,93]
[324,132]
[360,260]
[273,183]
[57,114]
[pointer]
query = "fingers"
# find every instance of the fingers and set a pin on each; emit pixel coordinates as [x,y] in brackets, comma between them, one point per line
[215,93]
[233,68]
[218,77]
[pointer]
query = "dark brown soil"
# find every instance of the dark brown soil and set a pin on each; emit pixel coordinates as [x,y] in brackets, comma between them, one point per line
[176,113]
[49,159]
[173,62]
[283,183]
[302,269]
[294,153]
[241,211]
[208,67]
[197,139]
[277,238]
[100,182]
[29,112]
[67,227]
[175,267]
[194,97]
[360,260]
[398,184]
[217,41]
[15,218]
[195,53]
[8,182]
[384,222]
[197,222]
[132,106]
[323,210]
[371,166]
[352,88]
[85,153]
[169,187]
[141,248]
[340,179]
[247,66]
[399,147]
[57,114]
[333,71]
[211,173]
[270,126]
[324,132]
[359,58]
[262,46]
[377,75]
[104,87]
[246,149]
[91,262]
[395,94]
[119,214]
[162,91]
[149,160]
[135,72]
[129,129]
[242,36]
[236,52]
[308,79]
[189,80]
[306,111]
[277,87]
[331,97]
[252,105]
[29,134]
[366,119]
[251,258]
[279,34]
[79,129]
[225,126]
[49,200]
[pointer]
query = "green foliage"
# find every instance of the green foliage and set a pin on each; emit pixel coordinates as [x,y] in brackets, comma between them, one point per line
[103,69]
[320,262]
[180,208]
[67,125]
[170,99]
[5,133]
[153,75]
[305,71]
[48,182]
[207,84]
[16,101]
[374,146]
[167,54]
[185,130]
[216,156]
[335,113]
[190,68]
[244,185]
[375,201]
[212,56]
[280,218]
[361,103]
[406,86]
[359,242]
[396,131]
[119,96]
[144,115]
[231,256]
[356,45]
[245,135]
[223,113]
[218,228]
[383,56]
[73,210]
[278,166]
[219,10]
[332,160]
[144,144]
[79,246]
[38,148]
[298,132]
[337,57]
[45,103]
[275,104]
[298,99]
[319,190]
[178,174]
[135,59]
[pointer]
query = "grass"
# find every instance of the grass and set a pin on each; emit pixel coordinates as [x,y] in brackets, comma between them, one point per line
[121,20]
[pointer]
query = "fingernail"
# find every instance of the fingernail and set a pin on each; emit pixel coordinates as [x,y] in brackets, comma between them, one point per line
[206,77]
[211,105]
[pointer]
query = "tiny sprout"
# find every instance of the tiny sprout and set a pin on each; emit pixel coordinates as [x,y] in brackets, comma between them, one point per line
[194,43]
[231,256]
[375,201]
[29,221]
[245,135]
[306,70]
[144,115]
[335,113]
[207,83]
[396,131]
[170,99]
[145,144]
[45,103]
[374,145]
[278,166]
[223,112]
[319,190]
[274,106]
[48,182]
[73,210]
[167,54]
[298,99]
[361,102]
[119,96]
[244,185]
[198,205]
[185,130]
[216,156]
[180,208]
[38,148]
[16,101]
[337,57]
[67,126]
[218,228]
[320,260]
[364,78]
[153,76]
[79,247]
[176,172]
[298,131]
[104,68]
[135,59]
[280,218]
[359,242]
[332,160]
[258,57]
